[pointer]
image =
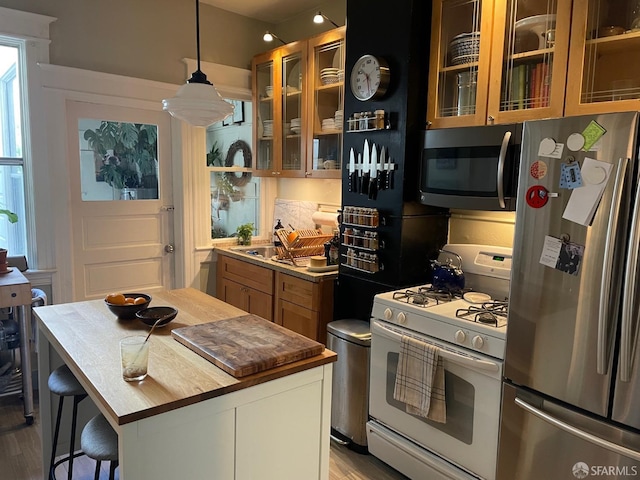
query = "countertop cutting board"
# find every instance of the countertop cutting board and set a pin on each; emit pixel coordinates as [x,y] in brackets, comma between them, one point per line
[247,344]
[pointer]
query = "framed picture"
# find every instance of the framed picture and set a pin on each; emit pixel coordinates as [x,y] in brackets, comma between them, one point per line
[238,111]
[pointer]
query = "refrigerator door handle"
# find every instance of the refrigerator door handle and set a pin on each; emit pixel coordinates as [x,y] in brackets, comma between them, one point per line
[500,171]
[601,442]
[607,269]
[629,293]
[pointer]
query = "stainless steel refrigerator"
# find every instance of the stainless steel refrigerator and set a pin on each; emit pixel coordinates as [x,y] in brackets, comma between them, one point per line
[571,394]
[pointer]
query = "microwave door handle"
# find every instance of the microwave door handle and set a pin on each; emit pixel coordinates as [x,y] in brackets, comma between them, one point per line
[607,271]
[556,422]
[629,293]
[445,354]
[500,172]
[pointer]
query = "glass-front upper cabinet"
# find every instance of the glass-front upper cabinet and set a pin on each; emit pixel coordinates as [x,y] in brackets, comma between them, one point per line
[326,118]
[604,71]
[529,58]
[497,62]
[279,96]
[264,82]
[293,107]
[459,62]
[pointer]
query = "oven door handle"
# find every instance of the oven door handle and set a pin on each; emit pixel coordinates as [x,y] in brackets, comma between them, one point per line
[445,354]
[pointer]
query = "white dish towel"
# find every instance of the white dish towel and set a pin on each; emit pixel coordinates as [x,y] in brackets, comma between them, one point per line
[420,380]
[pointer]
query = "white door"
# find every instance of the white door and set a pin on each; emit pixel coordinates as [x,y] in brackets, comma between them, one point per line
[122,238]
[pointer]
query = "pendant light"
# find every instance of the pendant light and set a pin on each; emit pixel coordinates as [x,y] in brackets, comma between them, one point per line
[198,102]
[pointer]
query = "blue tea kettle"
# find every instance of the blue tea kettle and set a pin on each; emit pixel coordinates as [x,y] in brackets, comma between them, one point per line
[447,274]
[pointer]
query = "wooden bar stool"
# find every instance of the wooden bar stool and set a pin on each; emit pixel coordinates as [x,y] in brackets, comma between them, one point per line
[64,384]
[100,442]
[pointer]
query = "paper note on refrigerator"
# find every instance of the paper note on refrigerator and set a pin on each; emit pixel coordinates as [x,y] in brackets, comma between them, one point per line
[584,200]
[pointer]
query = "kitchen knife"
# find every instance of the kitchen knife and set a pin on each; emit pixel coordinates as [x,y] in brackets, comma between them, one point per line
[359,172]
[365,169]
[391,174]
[373,169]
[353,179]
[382,176]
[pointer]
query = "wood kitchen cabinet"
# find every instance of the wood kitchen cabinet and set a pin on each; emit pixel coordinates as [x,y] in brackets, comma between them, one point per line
[295,95]
[604,71]
[497,62]
[303,306]
[326,99]
[279,99]
[246,286]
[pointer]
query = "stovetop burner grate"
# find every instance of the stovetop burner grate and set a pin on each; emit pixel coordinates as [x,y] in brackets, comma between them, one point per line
[426,296]
[489,313]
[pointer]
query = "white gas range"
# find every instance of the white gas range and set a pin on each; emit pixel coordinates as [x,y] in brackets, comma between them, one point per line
[469,327]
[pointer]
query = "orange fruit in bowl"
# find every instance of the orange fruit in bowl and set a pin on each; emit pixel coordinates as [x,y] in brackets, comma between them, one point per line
[139,300]
[116,299]
[129,301]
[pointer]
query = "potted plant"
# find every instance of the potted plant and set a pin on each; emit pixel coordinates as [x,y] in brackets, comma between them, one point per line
[245,232]
[13,218]
[128,153]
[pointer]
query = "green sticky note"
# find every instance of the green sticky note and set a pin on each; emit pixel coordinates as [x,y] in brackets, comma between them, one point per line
[592,134]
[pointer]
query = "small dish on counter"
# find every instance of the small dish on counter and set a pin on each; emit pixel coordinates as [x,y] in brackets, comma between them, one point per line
[149,316]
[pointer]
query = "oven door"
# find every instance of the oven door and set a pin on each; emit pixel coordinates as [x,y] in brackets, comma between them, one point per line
[469,438]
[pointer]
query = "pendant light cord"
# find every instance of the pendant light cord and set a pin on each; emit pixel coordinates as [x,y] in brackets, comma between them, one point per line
[198,76]
[198,32]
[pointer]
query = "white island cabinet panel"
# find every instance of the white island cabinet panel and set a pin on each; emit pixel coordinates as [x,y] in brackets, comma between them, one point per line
[288,441]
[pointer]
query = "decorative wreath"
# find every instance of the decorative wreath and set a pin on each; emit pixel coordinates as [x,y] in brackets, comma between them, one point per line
[228,162]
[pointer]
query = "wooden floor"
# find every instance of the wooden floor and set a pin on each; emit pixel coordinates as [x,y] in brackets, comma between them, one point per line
[20,453]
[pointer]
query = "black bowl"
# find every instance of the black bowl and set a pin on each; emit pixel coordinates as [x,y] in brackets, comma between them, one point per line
[150,315]
[128,312]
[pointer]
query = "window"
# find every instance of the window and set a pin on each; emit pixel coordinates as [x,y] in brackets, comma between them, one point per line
[235,193]
[118,160]
[12,235]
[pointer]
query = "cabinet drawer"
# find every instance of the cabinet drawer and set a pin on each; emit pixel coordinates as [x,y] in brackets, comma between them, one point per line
[245,273]
[298,291]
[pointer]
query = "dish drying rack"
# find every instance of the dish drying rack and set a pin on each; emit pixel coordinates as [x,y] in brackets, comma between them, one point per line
[309,242]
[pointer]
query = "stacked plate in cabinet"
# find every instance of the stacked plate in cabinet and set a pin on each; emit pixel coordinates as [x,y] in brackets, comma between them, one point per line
[296,126]
[328,124]
[331,75]
[267,128]
[339,119]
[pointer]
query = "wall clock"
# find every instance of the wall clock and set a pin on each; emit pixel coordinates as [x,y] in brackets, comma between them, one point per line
[370,78]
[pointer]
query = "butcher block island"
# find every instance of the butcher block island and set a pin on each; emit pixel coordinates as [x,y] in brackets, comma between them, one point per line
[189,418]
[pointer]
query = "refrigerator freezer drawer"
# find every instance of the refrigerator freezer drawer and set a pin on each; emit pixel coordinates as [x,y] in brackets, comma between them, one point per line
[409,459]
[541,439]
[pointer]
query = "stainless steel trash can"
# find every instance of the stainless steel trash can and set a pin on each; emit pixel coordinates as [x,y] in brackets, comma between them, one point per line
[351,340]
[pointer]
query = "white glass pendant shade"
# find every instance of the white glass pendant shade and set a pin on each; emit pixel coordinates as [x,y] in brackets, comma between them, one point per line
[199,104]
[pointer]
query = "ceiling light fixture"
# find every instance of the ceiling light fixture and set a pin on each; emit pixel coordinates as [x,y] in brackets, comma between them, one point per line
[268,37]
[198,102]
[320,18]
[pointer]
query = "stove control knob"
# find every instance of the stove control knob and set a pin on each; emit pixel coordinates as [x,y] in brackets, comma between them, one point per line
[388,314]
[460,336]
[401,318]
[477,342]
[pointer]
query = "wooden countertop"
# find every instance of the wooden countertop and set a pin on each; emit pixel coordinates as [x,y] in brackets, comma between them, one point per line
[87,335]
[300,272]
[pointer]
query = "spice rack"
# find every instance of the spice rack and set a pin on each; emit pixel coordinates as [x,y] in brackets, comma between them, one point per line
[308,242]
[363,242]
[368,121]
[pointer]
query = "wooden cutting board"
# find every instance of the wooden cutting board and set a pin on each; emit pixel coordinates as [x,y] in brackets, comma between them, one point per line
[247,344]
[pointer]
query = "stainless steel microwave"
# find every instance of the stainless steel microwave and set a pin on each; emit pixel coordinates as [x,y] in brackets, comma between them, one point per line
[471,168]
